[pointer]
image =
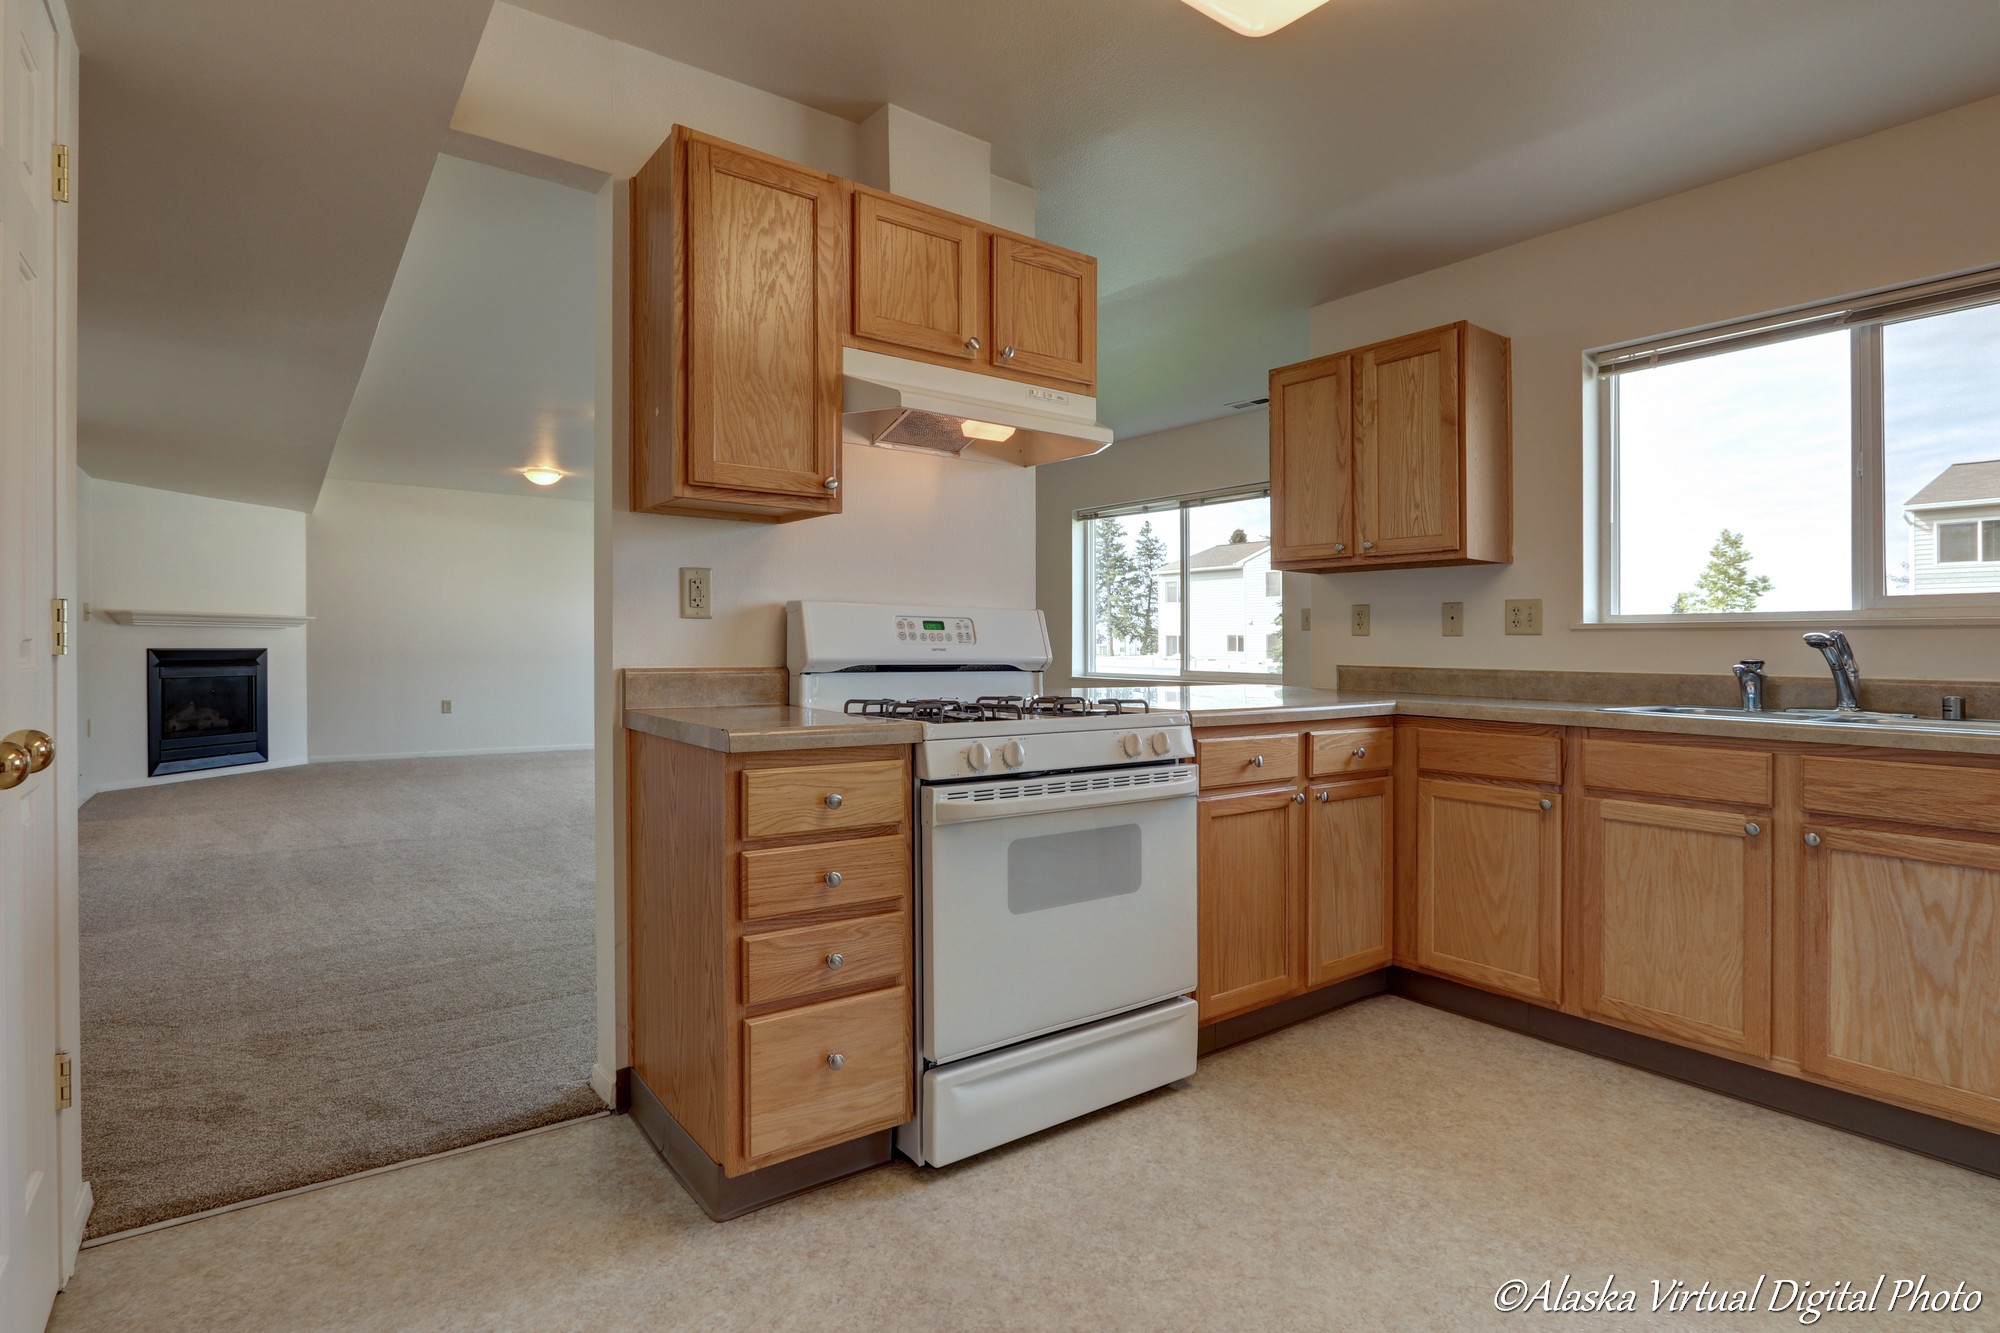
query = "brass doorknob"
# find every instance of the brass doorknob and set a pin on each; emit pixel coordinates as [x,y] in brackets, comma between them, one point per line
[14,765]
[41,750]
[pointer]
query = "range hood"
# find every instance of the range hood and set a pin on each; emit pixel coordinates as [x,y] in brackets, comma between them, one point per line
[895,403]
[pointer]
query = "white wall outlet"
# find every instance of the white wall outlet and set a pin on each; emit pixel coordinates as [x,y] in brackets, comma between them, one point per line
[1454,620]
[694,594]
[1359,625]
[444,705]
[1524,615]
[1305,620]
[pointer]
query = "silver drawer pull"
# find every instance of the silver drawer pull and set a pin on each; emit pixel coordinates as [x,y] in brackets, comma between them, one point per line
[1257,762]
[833,801]
[836,961]
[1547,804]
[1812,839]
[1360,752]
[832,878]
[1752,830]
[836,1061]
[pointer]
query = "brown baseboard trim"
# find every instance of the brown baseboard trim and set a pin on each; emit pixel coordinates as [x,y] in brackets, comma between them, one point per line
[1246,1027]
[1913,1131]
[723,1197]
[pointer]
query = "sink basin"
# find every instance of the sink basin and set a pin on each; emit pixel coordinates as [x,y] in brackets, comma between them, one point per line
[1976,726]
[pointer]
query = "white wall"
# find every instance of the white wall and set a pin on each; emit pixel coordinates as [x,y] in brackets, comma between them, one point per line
[150,550]
[1893,207]
[420,595]
[1209,455]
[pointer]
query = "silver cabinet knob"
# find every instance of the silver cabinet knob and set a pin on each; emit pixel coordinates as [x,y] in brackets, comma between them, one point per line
[1007,353]
[1298,798]
[1547,804]
[833,800]
[1752,830]
[836,961]
[1368,546]
[1360,752]
[1325,797]
[1339,547]
[832,878]
[833,483]
[972,344]
[1812,839]
[1257,761]
[836,1061]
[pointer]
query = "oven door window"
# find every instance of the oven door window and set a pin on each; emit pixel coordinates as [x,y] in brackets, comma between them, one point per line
[1063,869]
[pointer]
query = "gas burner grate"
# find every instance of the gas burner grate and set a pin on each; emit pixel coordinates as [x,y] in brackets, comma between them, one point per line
[993,708]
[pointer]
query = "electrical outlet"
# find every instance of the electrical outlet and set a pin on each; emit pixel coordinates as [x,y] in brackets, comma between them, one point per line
[444,705]
[1360,623]
[1524,615]
[1305,620]
[1454,620]
[694,594]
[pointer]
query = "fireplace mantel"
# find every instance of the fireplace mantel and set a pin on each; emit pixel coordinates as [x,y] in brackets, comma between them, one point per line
[203,619]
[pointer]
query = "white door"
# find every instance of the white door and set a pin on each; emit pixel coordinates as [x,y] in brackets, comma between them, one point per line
[30,1174]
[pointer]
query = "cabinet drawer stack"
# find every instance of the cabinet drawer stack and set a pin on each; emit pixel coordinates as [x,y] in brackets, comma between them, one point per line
[771,945]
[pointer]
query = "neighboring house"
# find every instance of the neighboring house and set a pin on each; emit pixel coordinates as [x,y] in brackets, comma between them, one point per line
[1233,609]
[1954,525]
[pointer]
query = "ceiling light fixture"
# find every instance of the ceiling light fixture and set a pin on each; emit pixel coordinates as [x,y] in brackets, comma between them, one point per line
[543,476]
[1256,18]
[986,430]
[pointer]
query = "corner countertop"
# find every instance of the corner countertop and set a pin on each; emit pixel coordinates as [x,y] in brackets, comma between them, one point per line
[747,728]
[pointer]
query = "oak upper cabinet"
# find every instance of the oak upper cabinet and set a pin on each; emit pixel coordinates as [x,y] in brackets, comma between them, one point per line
[1044,311]
[1250,849]
[1901,985]
[738,280]
[919,279]
[1347,879]
[1395,454]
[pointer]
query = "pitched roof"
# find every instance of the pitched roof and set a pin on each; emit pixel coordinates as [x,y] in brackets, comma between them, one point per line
[1227,556]
[1961,483]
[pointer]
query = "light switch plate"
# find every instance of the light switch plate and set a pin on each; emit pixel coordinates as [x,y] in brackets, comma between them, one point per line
[695,590]
[1454,620]
[444,705]
[1524,615]
[1359,624]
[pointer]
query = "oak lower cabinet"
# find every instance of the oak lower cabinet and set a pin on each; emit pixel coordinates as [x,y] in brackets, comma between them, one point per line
[769,928]
[1901,978]
[1250,849]
[1349,828]
[1675,921]
[1488,885]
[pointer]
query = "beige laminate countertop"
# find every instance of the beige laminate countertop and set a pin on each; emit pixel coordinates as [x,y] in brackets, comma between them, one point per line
[746,728]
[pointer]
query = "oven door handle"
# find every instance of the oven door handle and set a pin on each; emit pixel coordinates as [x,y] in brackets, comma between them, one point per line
[1056,795]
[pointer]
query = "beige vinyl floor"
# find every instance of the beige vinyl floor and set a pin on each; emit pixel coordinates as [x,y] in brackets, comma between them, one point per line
[1386,1166]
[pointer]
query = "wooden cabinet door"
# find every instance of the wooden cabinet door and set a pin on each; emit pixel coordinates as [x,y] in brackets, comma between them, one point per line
[1901,986]
[1676,922]
[1407,446]
[1044,311]
[1489,886]
[1248,864]
[917,278]
[766,266]
[1312,462]
[1347,879]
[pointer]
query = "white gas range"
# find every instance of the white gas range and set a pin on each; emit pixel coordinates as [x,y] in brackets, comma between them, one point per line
[1055,865]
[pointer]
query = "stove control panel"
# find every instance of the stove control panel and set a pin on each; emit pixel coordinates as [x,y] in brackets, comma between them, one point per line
[954,630]
[1052,745]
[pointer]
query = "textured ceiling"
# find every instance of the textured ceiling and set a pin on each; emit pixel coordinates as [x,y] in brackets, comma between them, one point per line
[1227,185]
[485,359]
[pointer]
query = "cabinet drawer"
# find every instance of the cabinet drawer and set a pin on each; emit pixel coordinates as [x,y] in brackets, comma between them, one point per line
[789,881]
[796,1100]
[799,963]
[1240,761]
[824,798]
[1940,795]
[1352,750]
[1510,756]
[1698,772]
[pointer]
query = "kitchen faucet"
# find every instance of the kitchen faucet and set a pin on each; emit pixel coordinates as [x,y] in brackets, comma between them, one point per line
[1833,645]
[1750,679]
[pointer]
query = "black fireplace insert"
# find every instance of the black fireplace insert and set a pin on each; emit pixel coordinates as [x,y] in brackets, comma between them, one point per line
[205,708]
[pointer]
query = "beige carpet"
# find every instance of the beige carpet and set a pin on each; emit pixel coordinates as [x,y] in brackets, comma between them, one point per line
[1385,1167]
[297,974]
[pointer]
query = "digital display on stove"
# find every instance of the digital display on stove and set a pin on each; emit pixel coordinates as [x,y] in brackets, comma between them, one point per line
[934,624]
[936,631]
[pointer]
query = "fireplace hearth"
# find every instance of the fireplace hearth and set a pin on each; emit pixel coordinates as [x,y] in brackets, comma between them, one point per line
[205,708]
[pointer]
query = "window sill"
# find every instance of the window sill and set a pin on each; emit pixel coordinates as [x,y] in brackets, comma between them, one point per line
[1096,682]
[1969,619]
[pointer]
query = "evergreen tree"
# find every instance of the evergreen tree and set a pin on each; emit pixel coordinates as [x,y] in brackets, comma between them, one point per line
[1238,537]
[1110,573]
[1149,557]
[1726,584]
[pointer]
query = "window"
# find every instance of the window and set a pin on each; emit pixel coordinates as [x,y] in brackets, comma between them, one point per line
[1182,588]
[1839,459]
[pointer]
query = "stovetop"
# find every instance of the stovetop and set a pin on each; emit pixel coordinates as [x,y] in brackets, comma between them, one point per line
[1000,708]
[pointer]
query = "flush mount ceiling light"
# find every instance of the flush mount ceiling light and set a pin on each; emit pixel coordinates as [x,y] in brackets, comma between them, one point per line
[543,476]
[1255,18]
[986,430]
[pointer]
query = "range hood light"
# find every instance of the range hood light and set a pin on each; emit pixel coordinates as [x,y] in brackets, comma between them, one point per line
[1256,18]
[986,430]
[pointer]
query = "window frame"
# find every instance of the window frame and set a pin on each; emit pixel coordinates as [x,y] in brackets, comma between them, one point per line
[1864,318]
[1085,627]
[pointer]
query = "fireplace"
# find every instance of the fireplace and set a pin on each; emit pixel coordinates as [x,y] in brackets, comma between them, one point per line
[205,708]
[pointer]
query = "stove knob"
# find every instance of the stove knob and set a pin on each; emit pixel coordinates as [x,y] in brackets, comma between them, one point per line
[977,756]
[1160,743]
[1014,753]
[1133,746]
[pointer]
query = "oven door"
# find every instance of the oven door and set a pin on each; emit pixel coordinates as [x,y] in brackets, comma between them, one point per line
[1052,901]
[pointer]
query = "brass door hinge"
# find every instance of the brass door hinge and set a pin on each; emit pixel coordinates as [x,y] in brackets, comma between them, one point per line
[59,174]
[64,1083]
[59,622]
